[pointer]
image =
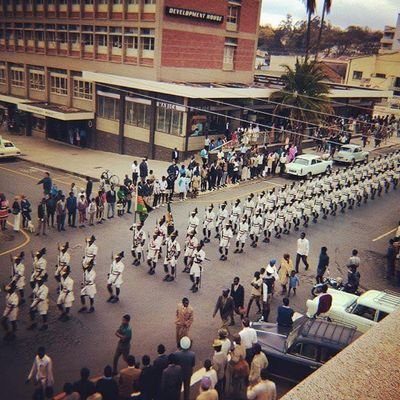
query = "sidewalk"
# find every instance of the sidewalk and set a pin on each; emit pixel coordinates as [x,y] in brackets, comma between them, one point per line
[78,161]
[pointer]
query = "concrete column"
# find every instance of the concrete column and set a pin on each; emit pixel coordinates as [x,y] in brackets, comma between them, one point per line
[121,123]
[153,115]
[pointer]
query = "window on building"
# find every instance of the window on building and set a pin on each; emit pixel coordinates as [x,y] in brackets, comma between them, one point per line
[357,75]
[382,76]
[51,36]
[39,36]
[87,39]
[150,1]
[117,1]
[169,121]
[147,39]
[62,37]
[82,89]
[88,2]
[102,40]
[116,37]
[19,34]
[233,15]
[397,82]
[36,79]
[108,107]
[137,114]
[58,84]
[74,38]
[131,38]
[17,77]
[229,53]
[133,1]
[2,74]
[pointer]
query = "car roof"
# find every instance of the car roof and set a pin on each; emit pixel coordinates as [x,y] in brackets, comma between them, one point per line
[351,146]
[308,156]
[323,331]
[386,301]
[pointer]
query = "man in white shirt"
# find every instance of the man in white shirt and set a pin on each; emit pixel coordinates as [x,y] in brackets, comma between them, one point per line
[264,389]
[248,337]
[42,370]
[303,248]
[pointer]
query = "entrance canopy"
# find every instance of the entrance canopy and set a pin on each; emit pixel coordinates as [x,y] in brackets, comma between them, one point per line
[13,99]
[62,113]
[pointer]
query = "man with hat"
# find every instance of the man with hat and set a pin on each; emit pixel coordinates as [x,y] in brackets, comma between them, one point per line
[40,304]
[11,311]
[184,319]
[115,277]
[226,235]
[219,362]
[18,274]
[138,240]
[66,296]
[242,235]
[153,251]
[88,287]
[173,250]
[235,216]
[191,244]
[39,267]
[225,305]
[221,218]
[90,250]
[208,223]
[196,269]
[193,222]
[63,260]
[256,227]
[187,360]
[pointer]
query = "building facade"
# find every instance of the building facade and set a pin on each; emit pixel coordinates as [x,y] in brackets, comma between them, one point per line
[390,41]
[46,45]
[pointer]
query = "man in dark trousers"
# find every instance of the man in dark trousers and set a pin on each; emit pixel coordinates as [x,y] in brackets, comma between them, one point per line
[171,380]
[186,359]
[285,317]
[84,386]
[143,169]
[89,188]
[323,264]
[390,260]
[225,306]
[124,334]
[71,208]
[237,293]
[46,182]
[146,379]
[175,155]
[159,364]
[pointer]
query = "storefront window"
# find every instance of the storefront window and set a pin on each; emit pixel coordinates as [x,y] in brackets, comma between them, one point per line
[137,114]
[169,121]
[108,107]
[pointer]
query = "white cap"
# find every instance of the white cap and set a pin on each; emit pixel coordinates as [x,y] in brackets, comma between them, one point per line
[185,343]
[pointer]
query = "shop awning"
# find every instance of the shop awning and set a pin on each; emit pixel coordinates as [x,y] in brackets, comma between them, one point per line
[62,113]
[13,99]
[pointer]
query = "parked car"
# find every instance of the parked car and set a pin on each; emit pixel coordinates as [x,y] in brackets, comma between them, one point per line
[362,311]
[308,165]
[351,153]
[8,149]
[310,344]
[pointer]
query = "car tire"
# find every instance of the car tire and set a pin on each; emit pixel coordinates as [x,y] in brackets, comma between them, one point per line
[309,175]
[353,161]
[328,169]
[366,159]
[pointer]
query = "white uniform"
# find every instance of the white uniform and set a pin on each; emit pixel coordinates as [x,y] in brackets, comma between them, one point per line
[138,240]
[271,200]
[226,236]
[190,246]
[90,253]
[235,214]
[19,275]
[193,224]
[63,260]
[89,284]
[153,249]
[115,275]
[172,252]
[39,268]
[269,223]
[280,219]
[40,299]
[256,225]
[222,216]
[197,266]
[11,310]
[249,207]
[243,232]
[208,222]
[66,297]
[261,203]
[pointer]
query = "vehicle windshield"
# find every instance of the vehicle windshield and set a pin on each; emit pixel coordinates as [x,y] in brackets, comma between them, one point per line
[351,307]
[8,144]
[347,149]
[301,161]
[295,332]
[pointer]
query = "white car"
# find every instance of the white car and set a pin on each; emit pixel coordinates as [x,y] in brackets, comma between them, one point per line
[8,149]
[363,311]
[351,153]
[308,165]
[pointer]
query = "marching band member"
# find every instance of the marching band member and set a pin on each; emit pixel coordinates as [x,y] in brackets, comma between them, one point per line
[226,235]
[153,250]
[269,224]
[208,223]
[249,205]
[88,287]
[173,251]
[222,216]
[256,228]
[63,260]
[10,313]
[242,235]
[90,251]
[40,304]
[138,240]
[193,222]
[66,296]
[39,267]
[18,274]
[191,243]
[115,277]
[196,269]
[280,221]
[235,215]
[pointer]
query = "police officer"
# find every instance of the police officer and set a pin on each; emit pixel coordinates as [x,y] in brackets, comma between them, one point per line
[191,243]
[138,240]
[18,274]
[221,218]
[11,311]
[235,215]
[242,235]
[63,259]
[66,296]
[40,304]
[196,269]
[256,228]
[173,251]
[153,252]
[88,287]
[90,251]
[208,223]
[115,277]
[193,222]
[226,235]
[39,267]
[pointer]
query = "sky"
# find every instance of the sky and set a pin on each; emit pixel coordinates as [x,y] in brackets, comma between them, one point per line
[372,13]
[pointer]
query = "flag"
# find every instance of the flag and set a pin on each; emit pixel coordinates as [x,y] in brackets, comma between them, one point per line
[141,206]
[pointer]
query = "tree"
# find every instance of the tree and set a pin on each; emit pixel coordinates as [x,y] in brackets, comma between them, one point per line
[311,6]
[303,96]
[326,9]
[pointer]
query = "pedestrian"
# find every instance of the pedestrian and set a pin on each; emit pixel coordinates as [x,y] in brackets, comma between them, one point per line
[173,250]
[219,362]
[18,275]
[159,364]
[210,372]
[187,360]
[16,211]
[225,306]
[61,213]
[256,289]
[237,370]
[303,248]
[264,389]
[63,259]
[115,278]
[42,372]
[146,379]
[124,335]
[175,155]
[196,270]
[143,169]
[107,386]
[248,338]
[47,183]
[39,267]
[237,293]
[284,271]
[72,206]
[10,313]
[207,392]
[88,286]
[4,208]
[294,282]
[66,296]
[258,363]
[100,204]
[85,387]
[184,319]
[26,211]
[89,188]
[172,379]
[391,253]
[41,212]
[354,259]
[135,172]
[285,317]
[111,198]
[127,377]
[323,264]
[82,206]
[92,210]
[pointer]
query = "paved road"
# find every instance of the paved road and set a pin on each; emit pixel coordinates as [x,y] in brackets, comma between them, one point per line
[89,339]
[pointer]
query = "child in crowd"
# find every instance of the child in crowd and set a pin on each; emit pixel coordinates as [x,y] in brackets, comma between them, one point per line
[120,207]
[294,282]
[92,209]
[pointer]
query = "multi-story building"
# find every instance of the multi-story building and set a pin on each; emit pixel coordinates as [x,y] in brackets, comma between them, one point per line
[390,41]
[93,72]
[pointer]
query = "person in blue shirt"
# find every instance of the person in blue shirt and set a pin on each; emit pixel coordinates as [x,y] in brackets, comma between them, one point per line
[285,315]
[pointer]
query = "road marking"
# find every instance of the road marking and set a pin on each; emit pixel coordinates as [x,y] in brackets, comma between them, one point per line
[31,177]
[385,234]
[27,240]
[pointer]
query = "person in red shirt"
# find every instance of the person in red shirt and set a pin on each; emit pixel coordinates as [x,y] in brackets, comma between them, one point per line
[324,302]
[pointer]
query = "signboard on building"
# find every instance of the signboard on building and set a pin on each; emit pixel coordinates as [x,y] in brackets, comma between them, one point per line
[194,14]
[170,106]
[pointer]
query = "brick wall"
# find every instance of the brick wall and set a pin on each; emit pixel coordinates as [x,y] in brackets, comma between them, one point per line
[244,58]
[191,50]
[249,18]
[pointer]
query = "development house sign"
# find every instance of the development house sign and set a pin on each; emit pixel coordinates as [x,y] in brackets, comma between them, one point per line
[194,14]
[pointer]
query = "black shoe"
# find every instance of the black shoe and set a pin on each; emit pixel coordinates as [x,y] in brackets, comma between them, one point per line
[241,251]
[110,299]
[151,271]
[91,310]
[166,277]
[236,251]
[195,289]
[82,309]
[115,300]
